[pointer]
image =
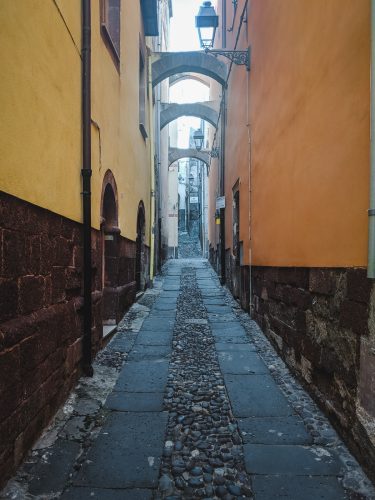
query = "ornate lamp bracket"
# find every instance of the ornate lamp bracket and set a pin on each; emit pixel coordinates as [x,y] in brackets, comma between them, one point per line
[238,57]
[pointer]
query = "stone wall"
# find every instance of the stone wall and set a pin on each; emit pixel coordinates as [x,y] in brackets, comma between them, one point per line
[41,317]
[318,319]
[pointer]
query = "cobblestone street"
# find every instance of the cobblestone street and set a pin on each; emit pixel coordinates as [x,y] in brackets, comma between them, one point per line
[189,400]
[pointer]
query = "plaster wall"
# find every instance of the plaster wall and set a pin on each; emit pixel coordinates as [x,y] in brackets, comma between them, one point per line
[40,97]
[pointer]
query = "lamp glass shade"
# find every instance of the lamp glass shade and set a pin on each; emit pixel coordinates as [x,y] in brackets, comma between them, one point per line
[198,139]
[206,21]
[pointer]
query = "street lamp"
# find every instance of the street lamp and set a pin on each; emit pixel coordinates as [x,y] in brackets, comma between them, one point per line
[207,21]
[198,139]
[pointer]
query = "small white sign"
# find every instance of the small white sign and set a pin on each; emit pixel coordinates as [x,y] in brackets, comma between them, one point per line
[193,199]
[108,237]
[220,202]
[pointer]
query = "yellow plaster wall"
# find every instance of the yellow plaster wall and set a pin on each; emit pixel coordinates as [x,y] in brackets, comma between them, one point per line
[40,98]
[40,102]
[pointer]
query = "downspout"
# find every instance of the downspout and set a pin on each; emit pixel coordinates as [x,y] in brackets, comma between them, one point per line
[371,212]
[222,189]
[86,184]
[152,170]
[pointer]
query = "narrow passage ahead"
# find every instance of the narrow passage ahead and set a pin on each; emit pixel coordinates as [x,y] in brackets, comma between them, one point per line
[197,413]
[188,401]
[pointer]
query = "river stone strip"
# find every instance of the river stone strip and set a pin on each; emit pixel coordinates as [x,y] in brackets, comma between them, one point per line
[203,454]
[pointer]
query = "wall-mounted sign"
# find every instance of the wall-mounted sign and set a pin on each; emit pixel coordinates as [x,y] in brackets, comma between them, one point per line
[220,202]
[193,199]
[108,237]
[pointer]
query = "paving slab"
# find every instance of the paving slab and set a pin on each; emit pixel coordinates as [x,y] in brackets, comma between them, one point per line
[171,288]
[230,337]
[274,430]
[143,376]
[151,338]
[222,318]
[158,324]
[127,452]
[135,401]
[143,352]
[241,362]
[291,460]
[256,396]
[232,326]
[218,309]
[171,306]
[219,301]
[82,493]
[123,343]
[52,473]
[240,347]
[300,487]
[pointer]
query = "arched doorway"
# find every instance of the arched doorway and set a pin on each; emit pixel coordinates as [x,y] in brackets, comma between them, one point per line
[140,260]
[110,234]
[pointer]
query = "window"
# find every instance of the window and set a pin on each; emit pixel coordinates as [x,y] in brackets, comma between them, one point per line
[110,27]
[142,93]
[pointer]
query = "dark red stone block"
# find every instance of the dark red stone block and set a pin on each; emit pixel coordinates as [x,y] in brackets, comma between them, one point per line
[9,368]
[32,255]
[46,254]
[13,254]
[354,316]
[358,285]
[11,398]
[31,293]
[322,281]
[15,330]
[58,284]
[73,279]
[62,252]
[8,299]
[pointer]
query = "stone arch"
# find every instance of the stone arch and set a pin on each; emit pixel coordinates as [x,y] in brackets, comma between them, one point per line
[110,233]
[176,154]
[204,110]
[109,201]
[140,256]
[187,76]
[167,64]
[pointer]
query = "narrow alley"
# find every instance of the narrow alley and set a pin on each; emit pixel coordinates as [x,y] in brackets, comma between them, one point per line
[189,400]
[187,249]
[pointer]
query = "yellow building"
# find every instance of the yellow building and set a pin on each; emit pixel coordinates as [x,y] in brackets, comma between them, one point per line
[43,145]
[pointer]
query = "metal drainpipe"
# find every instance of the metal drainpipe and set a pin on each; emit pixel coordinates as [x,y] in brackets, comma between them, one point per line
[222,189]
[371,212]
[86,184]
[152,170]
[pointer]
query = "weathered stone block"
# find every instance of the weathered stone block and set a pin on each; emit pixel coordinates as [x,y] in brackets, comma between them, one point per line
[9,368]
[13,254]
[14,330]
[358,285]
[46,254]
[58,284]
[32,255]
[31,293]
[62,252]
[354,315]
[321,281]
[8,299]
[73,279]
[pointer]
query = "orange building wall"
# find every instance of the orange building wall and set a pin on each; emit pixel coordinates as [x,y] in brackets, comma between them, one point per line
[308,103]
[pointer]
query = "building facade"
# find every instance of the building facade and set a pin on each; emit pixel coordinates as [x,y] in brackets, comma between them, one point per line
[295,173]
[42,310]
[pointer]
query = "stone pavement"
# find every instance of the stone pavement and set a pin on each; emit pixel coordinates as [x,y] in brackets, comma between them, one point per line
[202,407]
